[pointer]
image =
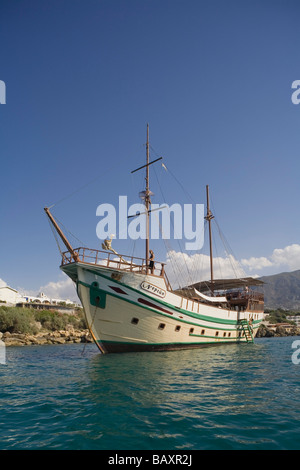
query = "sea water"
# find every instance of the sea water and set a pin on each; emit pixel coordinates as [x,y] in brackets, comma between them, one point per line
[228,397]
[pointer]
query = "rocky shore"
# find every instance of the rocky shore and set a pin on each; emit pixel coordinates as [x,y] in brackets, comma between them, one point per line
[47,337]
[268,331]
[72,335]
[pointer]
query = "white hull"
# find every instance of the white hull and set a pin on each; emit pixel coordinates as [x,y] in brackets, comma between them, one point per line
[129,311]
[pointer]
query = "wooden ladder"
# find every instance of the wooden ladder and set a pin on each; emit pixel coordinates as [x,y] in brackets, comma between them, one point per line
[247,331]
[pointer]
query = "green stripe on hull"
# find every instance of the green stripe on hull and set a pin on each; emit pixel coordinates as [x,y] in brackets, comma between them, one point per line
[117,347]
[163,314]
[166,304]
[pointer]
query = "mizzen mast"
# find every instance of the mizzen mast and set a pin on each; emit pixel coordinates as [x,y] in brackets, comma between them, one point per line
[209,216]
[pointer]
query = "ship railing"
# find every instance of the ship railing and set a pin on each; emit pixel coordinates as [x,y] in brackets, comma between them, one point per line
[112,260]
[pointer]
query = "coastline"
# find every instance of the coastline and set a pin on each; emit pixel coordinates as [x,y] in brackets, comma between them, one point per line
[273,331]
[72,335]
[69,336]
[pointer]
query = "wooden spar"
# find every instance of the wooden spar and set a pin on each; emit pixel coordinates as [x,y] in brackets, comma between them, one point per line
[147,193]
[208,217]
[61,234]
[147,164]
[147,200]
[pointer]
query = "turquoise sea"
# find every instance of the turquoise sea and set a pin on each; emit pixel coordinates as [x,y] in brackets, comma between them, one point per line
[71,397]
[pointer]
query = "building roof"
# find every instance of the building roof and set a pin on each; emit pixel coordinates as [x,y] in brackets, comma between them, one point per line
[7,287]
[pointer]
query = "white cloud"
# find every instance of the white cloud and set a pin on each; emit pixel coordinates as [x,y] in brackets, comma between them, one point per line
[256,263]
[184,269]
[281,258]
[63,289]
[288,256]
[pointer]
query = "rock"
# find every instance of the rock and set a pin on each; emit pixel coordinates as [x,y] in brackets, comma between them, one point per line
[40,340]
[281,331]
[58,341]
[264,332]
[47,337]
[14,342]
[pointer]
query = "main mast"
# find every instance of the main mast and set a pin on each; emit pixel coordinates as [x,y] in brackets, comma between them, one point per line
[147,200]
[146,195]
[209,217]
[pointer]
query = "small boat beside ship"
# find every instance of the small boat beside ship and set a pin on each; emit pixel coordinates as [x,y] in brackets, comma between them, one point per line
[130,305]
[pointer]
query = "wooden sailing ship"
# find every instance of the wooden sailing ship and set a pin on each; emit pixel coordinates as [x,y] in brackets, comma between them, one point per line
[130,305]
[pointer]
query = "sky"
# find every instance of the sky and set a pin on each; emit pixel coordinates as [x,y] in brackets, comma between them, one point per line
[214,81]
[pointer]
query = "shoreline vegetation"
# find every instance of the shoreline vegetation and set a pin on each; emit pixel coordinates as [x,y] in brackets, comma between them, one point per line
[25,326]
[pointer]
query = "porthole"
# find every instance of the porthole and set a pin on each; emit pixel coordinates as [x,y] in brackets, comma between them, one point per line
[177,328]
[202,332]
[161,326]
[224,334]
[191,331]
[217,333]
[135,321]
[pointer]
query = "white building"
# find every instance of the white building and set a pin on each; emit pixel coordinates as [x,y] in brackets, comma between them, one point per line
[295,318]
[44,299]
[9,296]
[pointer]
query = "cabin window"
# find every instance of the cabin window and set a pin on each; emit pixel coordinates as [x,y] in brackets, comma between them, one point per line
[191,331]
[135,321]
[224,334]
[202,332]
[229,334]
[177,328]
[161,326]
[217,333]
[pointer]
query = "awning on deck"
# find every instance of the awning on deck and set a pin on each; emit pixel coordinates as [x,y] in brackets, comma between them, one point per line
[225,284]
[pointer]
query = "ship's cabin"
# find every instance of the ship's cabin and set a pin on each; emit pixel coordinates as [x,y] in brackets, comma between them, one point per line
[243,294]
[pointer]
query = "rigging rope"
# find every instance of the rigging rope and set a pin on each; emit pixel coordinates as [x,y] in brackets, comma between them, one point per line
[55,236]
[66,230]
[111,167]
[231,255]
[189,274]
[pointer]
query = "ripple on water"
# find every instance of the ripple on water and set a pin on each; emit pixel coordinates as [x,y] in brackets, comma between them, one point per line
[238,397]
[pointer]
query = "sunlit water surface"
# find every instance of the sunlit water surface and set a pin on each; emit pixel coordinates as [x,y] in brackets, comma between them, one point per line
[226,397]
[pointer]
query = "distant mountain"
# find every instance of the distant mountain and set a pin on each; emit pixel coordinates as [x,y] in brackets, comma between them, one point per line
[282,290]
